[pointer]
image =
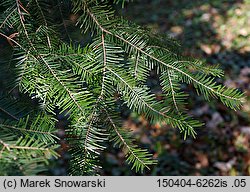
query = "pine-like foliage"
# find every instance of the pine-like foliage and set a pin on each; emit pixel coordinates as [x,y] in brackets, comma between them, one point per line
[85,83]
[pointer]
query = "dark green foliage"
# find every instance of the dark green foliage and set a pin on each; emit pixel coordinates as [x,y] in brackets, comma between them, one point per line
[85,83]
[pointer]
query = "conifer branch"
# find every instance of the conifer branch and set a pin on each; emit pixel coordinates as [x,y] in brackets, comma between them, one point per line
[27,130]
[45,22]
[172,91]
[87,84]
[6,112]
[7,17]
[169,66]
[127,146]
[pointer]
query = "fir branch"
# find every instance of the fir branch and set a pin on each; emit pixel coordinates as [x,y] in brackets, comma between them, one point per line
[84,84]
[172,90]
[234,100]
[9,114]
[44,21]
[138,157]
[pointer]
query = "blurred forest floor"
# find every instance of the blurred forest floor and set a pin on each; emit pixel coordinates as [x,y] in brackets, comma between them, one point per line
[218,32]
